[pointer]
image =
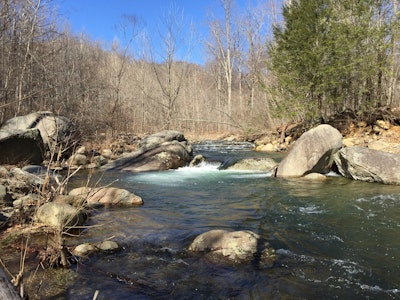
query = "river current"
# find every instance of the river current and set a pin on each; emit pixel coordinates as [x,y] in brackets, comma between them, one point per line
[337,239]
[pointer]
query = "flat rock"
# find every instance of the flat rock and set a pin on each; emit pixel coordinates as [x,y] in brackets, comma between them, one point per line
[106,196]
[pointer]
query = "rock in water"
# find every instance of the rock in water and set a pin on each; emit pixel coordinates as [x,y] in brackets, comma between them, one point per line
[312,152]
[369,165]
[163,151]
[235,246]
[106,196]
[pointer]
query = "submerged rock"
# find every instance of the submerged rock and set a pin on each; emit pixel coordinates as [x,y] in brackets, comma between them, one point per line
[197,160]
[235,246]
[314,177]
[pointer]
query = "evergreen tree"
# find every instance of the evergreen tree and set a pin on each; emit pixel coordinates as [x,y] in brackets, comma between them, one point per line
[330,55]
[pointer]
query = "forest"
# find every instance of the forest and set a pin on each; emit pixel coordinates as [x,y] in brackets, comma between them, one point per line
[273,63]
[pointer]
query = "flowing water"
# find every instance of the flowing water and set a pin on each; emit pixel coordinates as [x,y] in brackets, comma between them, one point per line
[337,239]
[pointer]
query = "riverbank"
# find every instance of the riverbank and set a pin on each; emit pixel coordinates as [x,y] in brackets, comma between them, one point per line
[380,135]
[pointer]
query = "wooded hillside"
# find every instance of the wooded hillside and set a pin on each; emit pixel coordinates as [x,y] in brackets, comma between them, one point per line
[263,69]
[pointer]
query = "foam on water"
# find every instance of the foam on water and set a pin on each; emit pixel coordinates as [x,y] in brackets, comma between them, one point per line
[203,171]
[201,167]
[312,209]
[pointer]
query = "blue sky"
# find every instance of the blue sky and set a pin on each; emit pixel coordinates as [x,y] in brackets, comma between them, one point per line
[99,18]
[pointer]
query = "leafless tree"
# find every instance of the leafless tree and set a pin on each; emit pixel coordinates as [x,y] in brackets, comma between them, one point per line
[168,65]
[223,49]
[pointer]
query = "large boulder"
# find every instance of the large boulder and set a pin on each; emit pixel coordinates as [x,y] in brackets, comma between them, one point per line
[235,246]
[58,133]
[161,137]
[163,151]
[360,163]
[312,152]
[106,196]
[21,146]
[60,215]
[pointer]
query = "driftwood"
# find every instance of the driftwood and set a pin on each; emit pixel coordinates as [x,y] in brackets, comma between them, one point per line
[7,289]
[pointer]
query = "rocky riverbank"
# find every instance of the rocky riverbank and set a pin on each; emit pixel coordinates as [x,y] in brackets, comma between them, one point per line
[40,204]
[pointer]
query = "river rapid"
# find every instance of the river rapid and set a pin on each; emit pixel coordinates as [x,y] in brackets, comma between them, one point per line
[337,239]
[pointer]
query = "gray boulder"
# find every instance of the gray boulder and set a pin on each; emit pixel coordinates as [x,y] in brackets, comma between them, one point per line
[312,152]
[21,146]
[156,139]
[163,151]
[58,133]
[235,246]
[60,215]
[360,163]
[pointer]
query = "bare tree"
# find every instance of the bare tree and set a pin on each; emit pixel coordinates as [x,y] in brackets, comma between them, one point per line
[255,30]
[120,61]
[223,47]
[171,72]
[22,24]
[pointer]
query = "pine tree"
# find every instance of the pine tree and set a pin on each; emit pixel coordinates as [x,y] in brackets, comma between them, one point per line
[330,55]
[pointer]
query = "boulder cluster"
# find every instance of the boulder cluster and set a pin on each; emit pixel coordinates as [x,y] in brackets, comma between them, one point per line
[320,150]
[44,136]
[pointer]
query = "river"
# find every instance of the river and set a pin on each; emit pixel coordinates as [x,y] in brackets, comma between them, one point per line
[337,239]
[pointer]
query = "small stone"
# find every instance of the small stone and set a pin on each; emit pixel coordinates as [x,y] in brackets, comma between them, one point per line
[378,145]
[288,139]
[108,246]
[78,159]
[81,150]
[107,153]
[84,249]
[383,124]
